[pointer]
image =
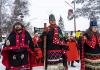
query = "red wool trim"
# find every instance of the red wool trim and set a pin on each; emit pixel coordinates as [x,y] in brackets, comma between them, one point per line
[18,45]
[27,66]
[17,40]
[22,66]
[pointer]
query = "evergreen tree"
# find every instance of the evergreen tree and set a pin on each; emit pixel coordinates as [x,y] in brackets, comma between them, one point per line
[5,6]
[10,10]
[90,9]
[61,24]
[19,8]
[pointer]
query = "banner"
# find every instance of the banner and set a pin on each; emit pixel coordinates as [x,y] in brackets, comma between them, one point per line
[78,34]
[38,30]
[70,14]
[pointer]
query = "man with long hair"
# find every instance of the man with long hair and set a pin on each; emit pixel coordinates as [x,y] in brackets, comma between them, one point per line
[18,49]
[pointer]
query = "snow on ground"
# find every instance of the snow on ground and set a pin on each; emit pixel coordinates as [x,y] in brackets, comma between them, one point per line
[2,67]
[74,68]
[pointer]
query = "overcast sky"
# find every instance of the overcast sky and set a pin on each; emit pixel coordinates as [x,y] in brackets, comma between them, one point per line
[41,9]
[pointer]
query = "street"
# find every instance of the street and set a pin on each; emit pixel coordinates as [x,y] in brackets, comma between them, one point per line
[2,67]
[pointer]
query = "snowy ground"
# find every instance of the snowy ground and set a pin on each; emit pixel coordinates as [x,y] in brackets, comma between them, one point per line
[2,67]
[75,68]
[69,68]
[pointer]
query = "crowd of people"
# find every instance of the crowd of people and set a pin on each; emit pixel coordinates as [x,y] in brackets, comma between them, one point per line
[23,52]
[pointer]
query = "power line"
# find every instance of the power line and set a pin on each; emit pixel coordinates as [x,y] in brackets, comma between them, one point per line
[69,4]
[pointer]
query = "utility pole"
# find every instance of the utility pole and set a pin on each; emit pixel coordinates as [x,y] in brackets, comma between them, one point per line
[74,16]
[0,20]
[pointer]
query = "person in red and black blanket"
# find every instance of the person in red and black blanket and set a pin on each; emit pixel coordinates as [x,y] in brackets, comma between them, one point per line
[18,49]
[55,44]
[38,57]
[91,48]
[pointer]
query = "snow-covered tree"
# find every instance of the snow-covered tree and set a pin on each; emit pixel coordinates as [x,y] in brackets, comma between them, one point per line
[9,12]
[20,9]
[88,8]
[61,24]
[5,8]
